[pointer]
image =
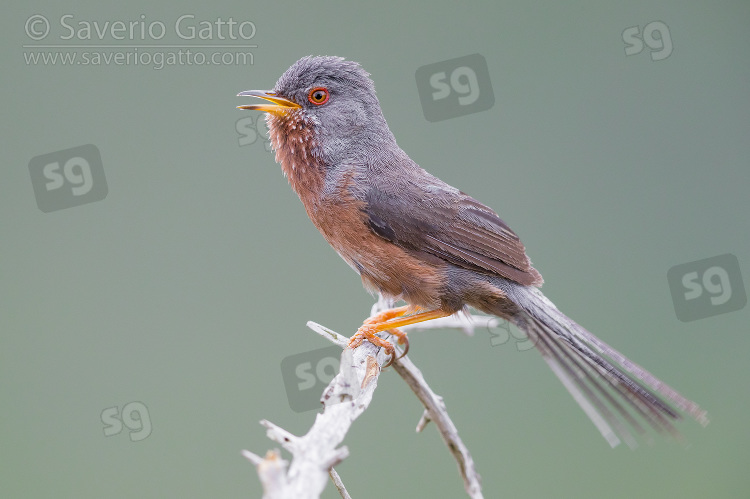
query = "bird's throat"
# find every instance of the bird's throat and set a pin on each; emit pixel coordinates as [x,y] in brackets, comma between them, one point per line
[297,151]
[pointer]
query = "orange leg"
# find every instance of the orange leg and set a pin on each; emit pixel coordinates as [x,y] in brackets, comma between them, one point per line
[402,339]
[383,316]
[387,314]
[359,337]
[390,320]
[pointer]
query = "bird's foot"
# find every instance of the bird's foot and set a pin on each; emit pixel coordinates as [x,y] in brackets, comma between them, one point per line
[402,339]
[369,332]
[389,320]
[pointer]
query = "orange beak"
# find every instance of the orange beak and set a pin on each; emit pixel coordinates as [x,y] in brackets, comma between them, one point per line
[279,105]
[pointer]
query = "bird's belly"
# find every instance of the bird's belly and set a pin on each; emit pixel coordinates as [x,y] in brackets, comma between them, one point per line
[384,267]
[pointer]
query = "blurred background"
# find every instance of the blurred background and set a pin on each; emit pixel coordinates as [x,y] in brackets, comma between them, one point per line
[153,282]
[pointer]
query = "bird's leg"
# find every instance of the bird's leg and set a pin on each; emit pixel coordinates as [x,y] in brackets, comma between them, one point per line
[359,337]
[383,316]
[387,314]
[373,326]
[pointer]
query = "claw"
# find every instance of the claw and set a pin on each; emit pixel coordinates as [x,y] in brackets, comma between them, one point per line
[402,340]
[389,320]
[390,360]
[369,333]
[356,340]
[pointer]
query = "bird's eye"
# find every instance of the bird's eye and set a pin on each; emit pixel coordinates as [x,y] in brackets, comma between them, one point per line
[318,96]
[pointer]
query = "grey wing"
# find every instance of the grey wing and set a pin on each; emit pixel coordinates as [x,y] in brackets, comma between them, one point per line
[432,217]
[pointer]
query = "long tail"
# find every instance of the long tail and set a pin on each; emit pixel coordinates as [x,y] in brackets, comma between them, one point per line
[613,391]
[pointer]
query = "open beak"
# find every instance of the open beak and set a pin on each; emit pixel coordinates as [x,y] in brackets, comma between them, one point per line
[279,105]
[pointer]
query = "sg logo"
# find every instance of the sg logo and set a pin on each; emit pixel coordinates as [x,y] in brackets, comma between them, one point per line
[501,332]
[68,178]
[661,45]
[249,131]
[455,87]
[463,81]
[140,425]
[307,374]
[707,287]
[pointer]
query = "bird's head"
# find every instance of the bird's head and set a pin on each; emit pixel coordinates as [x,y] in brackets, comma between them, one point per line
[325,107]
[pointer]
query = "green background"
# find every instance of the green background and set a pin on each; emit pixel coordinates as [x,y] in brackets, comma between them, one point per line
[186,287]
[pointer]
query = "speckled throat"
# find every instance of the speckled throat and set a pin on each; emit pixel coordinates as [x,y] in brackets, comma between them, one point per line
[298,152]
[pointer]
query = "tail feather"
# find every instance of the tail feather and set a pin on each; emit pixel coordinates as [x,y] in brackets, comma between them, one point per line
[573,381]
[608,389]
[602,389]
[645,403]
[598,376]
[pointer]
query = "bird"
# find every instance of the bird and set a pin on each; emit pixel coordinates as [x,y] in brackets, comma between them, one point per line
[414,238]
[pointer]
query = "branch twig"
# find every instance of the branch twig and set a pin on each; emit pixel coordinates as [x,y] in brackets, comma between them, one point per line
[314,454]
[435,411]
[345,399]
[336,479]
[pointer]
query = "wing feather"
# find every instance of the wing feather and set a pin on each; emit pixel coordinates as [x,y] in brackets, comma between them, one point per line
[452,226]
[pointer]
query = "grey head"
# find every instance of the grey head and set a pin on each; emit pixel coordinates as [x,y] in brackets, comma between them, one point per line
[333,100]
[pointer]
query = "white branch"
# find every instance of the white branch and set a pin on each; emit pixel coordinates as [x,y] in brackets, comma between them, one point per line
[345,399]
[339,484]
[435,411]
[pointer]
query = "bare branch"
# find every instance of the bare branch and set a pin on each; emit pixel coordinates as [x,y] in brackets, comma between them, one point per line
[435,411]
[272,472]
[315,453]
[339,484]
[344,400]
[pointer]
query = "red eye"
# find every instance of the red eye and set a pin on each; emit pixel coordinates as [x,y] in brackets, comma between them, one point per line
[318,96]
